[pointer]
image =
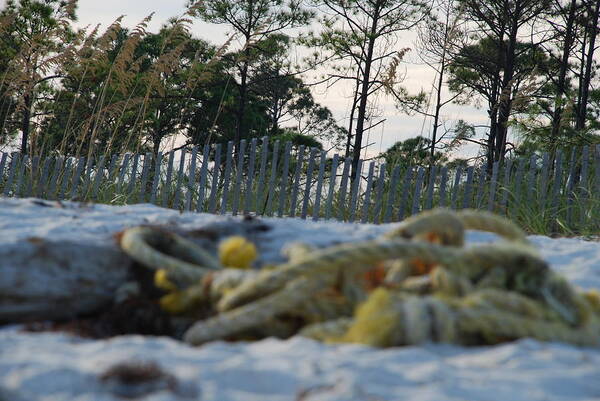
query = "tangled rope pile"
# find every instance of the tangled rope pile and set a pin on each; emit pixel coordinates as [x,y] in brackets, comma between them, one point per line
[416,284]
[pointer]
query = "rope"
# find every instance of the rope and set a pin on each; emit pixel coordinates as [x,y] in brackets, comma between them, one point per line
[191,264]
[250,315]
[489,317]
[415,284]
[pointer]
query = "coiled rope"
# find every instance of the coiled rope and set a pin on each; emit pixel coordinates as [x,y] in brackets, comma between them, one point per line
[416,283]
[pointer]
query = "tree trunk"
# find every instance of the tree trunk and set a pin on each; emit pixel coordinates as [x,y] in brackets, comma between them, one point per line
[276,110]
[364,93]
[491,139]
[581,72]
[493,111]
[25,123]
[352,111]
[240,131]
[156,144]
[585,84]
[438,107]
[562,74]
[505,99]
[438,102]
[243,88]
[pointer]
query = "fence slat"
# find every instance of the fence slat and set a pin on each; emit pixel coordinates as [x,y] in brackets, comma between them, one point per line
[215,180]
[343,188]
[596,183]
[355,189]
[261,175]
[597,170]
[227,177]
[416,206]
[408,176]
[238,178]
[283,193]
[51,192]
[133,176]
[583,187]
[319,190]
[112,167]
[378,208]
[76,176]
[14,164]
[272,179]
[585,168]
[332,180]
[493,186]
[144,178]
[166,187]
[296,188]
[557,183]
[98,178]
[518,185]
[35,174]
[65,179]
[571,187]
[506,185]
[21,176]
[456,187]
[29,183]
[85,187]
[123,171]
[443,184]
[250,178]
[367,197]
[431,187]
[2,164]
[62,177]
[189,195]
[531,178]
[43,181]
[309,174]
[481,175]
[543,188]
[391,195]
[179,183]
[203,178]
[468,188]
[156,178]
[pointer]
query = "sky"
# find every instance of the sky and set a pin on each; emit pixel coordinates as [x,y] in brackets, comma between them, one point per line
[398,126]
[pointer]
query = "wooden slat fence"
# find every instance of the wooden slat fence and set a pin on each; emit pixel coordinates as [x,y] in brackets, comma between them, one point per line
[279,179]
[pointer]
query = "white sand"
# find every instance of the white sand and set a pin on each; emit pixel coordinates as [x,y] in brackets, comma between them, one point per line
[59,367]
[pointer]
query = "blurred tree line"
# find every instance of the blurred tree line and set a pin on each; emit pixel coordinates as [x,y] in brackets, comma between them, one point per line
[530,64]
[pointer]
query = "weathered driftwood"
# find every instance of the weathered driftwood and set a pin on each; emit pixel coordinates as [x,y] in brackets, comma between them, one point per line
[42,279]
